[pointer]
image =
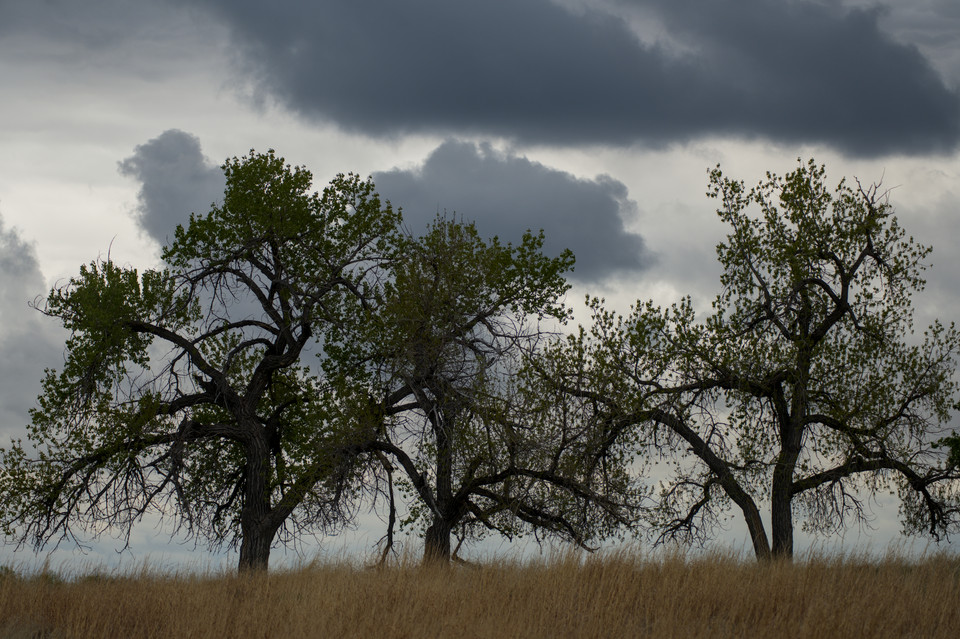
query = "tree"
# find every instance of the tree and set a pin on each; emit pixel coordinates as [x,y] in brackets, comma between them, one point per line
[804,388]
[187,391]
[467,439]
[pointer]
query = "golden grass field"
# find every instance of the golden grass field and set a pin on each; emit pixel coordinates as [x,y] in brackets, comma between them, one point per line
[609,596]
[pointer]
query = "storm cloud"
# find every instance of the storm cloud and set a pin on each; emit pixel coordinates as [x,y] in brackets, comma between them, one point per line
[176,179]
[507,195]
[537,72]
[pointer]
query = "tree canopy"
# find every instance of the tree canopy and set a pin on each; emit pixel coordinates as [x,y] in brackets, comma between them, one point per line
[804,388]
[187,391]
[475,453]
[297,346]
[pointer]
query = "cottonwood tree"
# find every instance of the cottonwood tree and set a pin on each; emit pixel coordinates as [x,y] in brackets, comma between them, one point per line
[475,452]
[805,388]
[188,391]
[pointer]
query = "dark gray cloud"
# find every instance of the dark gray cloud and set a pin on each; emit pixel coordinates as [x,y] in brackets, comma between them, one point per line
[933,26]
[176,179]
[29,342]
[507,195]
[95,24]
[95,35]
[530,70]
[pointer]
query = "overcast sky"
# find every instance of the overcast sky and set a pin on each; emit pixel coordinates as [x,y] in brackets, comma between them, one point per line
[595,120]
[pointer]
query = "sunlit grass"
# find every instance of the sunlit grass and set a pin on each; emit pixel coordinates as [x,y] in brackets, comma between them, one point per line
[618,595]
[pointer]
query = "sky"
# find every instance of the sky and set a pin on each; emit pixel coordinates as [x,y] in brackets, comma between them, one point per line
[595,120]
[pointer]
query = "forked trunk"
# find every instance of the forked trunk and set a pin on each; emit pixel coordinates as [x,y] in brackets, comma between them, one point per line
[781,490]
[791,426]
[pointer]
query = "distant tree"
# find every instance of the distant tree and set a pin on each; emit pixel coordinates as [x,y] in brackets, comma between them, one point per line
[805,388]
[445,352]
[187,392]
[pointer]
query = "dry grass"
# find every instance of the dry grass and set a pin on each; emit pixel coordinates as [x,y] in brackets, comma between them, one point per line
[615,596]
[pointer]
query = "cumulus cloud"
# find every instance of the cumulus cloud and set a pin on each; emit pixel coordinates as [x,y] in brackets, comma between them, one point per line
[176,179]
[29,342]
[507,195]
[534,71]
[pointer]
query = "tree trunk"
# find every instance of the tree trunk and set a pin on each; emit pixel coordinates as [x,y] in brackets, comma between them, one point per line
[781,522]
[781,493]
[751,514]
[436,547]
[781,500]
[255,525]
[791,425]
[255,549]
[758,536]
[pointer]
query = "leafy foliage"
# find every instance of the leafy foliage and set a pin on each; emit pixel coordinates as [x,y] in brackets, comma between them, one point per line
[463,314]
[805,387]
[186,392]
